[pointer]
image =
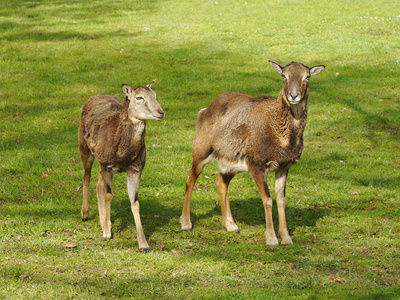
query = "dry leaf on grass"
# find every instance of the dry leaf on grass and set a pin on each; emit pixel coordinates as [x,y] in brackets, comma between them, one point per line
[333,279]
[70,245]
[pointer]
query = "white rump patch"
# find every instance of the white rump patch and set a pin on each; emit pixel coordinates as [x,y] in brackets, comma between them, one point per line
[201,111]
[233,167]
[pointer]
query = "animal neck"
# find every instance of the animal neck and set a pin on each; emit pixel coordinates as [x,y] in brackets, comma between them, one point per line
[296,114]
[131,132]
[290,120]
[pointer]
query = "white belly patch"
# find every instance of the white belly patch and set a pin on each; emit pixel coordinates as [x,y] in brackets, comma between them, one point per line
[233,167]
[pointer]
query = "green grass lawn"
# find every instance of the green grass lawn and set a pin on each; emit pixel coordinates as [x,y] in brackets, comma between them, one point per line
[343,205]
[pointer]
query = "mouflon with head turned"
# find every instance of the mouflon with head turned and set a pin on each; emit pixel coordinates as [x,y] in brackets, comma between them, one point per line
[114,134]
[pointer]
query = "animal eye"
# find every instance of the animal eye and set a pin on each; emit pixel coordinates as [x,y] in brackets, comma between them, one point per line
[307,77]
[283,77]
[139,98]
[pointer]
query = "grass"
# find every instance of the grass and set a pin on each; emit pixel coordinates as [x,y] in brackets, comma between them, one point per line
[343,196]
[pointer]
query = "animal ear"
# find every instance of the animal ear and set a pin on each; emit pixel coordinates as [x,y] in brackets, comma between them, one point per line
[127,90]
[316,70]
[276,66]
[151,84]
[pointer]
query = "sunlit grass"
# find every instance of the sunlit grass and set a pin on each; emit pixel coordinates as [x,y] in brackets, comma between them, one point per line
[343,195]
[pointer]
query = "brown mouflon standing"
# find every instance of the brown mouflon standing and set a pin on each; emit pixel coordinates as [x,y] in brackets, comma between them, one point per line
[114,134]
[256,135]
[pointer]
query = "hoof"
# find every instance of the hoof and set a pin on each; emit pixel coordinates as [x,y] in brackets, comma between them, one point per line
[287,241]
[186,225]
[107,235]
[232,227]
[144,250]
[272,242]
[84,215]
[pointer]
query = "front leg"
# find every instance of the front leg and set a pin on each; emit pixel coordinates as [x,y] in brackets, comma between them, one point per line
[280,186]
[133,179]
[261,180]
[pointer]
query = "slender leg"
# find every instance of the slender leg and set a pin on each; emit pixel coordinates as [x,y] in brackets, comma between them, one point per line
[223,181]
[261,180]
[103,197]
[280,186]
[87,160]
[192,176]
[133,191]
[109,197]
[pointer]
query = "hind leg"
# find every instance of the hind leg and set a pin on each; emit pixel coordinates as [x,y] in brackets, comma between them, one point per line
[201,157]
[223,181]
[192,176]
[104,198]
[87,160]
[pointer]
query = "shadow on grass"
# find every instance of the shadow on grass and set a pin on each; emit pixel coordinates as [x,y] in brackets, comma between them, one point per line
[65,35]
[251,212]
[153,215]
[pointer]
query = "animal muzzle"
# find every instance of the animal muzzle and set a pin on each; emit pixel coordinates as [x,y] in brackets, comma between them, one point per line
[159,114]
[294,97]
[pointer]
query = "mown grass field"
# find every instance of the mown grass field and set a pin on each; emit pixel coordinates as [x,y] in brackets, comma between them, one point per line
[343,196]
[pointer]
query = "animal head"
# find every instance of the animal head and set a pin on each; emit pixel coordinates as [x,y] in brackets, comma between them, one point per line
[142,103]
[295,79]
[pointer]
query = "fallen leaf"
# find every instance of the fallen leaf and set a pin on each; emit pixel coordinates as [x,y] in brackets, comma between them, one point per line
[176,253]
[333,279]
[24,276]
[45,175]
[308,247]
[169,147]
[70,245]
[206,177]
